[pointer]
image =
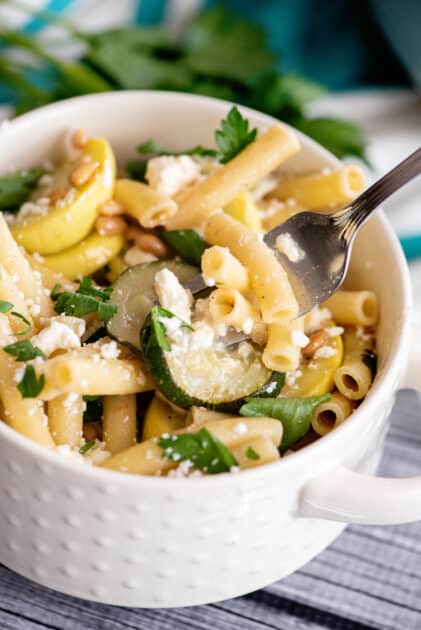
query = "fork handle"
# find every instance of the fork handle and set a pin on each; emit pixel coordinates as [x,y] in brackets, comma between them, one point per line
[361,208]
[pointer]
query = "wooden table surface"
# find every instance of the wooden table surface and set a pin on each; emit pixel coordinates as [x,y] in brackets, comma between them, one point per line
[369,578]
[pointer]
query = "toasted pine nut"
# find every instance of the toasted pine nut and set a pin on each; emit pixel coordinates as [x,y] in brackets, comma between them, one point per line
[110,208]
[108,226]
[91,431]
[57,193]
[133,232]
[318,339]
[151,244]
[82,173]
[79,139]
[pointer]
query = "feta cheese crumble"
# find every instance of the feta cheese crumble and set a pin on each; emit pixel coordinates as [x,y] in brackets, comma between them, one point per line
[299,339]
[59,335]
[172,295]
[325,352]
[169,174]
[110,350]
[286,245]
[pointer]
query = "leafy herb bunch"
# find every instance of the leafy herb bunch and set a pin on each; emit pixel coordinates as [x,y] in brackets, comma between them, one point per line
[220,54]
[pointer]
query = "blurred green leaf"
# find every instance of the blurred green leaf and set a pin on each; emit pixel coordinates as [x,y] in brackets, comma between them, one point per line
[219,43]
[341,137]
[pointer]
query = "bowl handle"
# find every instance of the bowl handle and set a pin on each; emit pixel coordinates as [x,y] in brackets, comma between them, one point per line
[351,497]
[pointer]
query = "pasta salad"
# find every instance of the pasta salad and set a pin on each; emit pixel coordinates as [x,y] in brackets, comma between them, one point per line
[108,359]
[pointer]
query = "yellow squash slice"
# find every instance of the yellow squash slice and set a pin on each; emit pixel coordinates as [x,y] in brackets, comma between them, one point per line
[86,257]
[68,221]
[245,211]
[159,419]
[317,375]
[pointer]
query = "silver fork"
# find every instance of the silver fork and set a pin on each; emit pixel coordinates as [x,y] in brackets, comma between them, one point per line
[326,240]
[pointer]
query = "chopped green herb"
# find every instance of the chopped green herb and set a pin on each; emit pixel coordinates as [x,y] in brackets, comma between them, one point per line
[153,148]
[369,358]
[294,413]
[203,449]
[186,243]
[87,299]
[25,321]
[5,307]
[136,169]
[86,447]
[16,187]
[30,386]
[234,135]
[231,139]
[160,336]
[87,287]
[24,350]
[251,454]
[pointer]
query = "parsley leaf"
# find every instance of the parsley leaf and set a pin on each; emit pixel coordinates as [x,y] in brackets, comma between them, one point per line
[342,137]
[369,358]
[203,449]
[234,135]
[294,413]
[186,243]
[251,454]
[30,386]
[25,321]
[24,350]
[221,44]
[159,335]
[86,447]
[5,307]
[16,187]
[87,299]
[152,147]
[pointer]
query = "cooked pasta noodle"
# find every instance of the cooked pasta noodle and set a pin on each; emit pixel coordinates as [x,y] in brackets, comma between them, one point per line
[268,279]
[146,458]
[148,206]
[354,377]
[26,416]
[89,377]
[256,452]
[323,190]
[228,306]
[360,308]
[65,419]
[119,422]
[331,414]
[221,267]
[256,161]
[281,353]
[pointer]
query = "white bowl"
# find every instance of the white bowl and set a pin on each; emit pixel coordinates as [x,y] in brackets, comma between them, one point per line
[154,542]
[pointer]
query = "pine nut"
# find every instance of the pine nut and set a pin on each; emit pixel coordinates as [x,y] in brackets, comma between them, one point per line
[82,173]
[79,139]
[91,431]
[151,244]
[133,232]
[109,226]
[318,339]
[57,193]
[110,208]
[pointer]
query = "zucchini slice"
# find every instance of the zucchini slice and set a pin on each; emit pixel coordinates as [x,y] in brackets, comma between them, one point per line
[212,377]
[134,295]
